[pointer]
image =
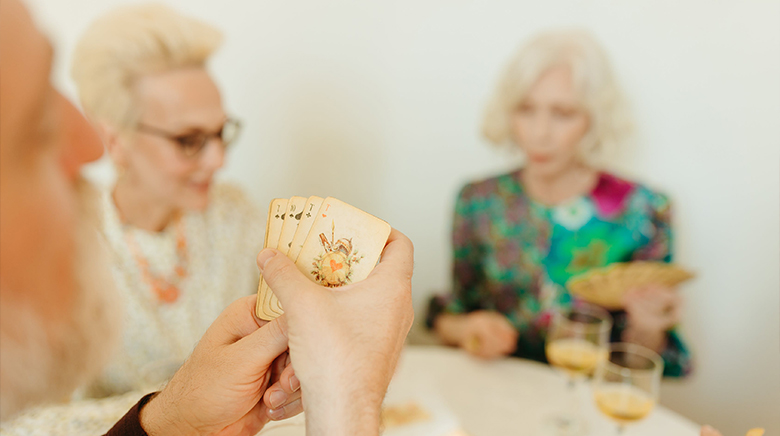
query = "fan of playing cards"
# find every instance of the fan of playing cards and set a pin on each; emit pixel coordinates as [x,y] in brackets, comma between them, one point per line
[331,242]
[606,286]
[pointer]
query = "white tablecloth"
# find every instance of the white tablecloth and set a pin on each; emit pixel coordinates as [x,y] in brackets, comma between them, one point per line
[503,397]
[508,396]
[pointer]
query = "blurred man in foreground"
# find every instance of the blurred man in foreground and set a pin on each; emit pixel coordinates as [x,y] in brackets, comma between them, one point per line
[56,323]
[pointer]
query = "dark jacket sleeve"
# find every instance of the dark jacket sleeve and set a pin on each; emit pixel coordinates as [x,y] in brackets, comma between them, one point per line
[130,424]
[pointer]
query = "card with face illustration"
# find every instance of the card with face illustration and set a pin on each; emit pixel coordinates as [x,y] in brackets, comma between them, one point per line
[276,214]
[343,245]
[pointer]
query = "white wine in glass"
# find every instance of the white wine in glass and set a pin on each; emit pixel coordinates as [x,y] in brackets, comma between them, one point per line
[577,357]
[577,341]
[626,384]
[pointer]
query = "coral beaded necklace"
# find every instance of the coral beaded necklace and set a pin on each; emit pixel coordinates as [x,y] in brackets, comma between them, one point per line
[166,290]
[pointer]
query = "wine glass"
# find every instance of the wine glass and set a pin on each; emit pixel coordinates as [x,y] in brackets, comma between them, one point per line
[626,384]
[577,341]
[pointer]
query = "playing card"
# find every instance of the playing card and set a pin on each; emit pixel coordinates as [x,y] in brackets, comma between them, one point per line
[606,286]
[311,208]
[293,215]
[276,215]
[335,244]
[343,246]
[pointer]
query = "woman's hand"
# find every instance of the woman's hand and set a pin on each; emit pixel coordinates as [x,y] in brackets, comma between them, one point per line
[652,311]
[488,335]
[220,387]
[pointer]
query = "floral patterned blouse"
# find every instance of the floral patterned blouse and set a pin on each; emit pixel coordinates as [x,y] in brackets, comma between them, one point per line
[514,255]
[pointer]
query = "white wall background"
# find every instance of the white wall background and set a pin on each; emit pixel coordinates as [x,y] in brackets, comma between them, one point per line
[379,103]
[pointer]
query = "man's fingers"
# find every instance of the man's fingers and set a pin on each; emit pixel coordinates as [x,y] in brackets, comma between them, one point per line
[265,344]
[288,411]
[398,256]
[275,397]
[282,276]
[289,381]
[235,322]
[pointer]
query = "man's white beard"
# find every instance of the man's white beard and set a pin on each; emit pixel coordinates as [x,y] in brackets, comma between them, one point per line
[43,361]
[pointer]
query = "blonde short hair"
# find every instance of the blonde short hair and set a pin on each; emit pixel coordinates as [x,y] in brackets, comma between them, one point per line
[128,43]
[594,81]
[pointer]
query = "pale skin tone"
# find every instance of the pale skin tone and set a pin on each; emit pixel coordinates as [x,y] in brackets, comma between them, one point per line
[45,140]
[221,388]
[358,366]
[548,126]
[157,180]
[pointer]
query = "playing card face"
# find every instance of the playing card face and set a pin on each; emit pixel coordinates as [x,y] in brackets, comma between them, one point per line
[294,214]
[343,245]
[276,216]
[268,304]
[310,210]
[334,244]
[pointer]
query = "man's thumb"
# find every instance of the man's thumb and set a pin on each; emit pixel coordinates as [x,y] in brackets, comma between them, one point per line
[281,274]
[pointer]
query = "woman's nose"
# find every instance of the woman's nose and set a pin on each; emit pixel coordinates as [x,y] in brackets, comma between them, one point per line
[541,128]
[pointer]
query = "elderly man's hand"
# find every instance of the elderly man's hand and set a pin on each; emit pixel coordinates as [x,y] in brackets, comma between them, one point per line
[220,387]
[345,342]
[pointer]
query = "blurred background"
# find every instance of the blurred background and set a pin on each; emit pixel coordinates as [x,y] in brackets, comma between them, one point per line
[379,104]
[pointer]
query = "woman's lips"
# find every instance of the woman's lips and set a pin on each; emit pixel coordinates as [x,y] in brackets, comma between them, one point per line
[539,158]
[201,186]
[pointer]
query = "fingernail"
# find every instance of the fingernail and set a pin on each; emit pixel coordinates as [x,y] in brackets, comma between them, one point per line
[264,257]
[295,384]
[277,399]
[276,413]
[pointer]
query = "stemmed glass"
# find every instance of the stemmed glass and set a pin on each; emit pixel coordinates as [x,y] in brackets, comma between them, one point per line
[577,341]
[626,384]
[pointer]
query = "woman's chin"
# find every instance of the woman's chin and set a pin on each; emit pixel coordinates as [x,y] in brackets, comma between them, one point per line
[196,201]
[543,169]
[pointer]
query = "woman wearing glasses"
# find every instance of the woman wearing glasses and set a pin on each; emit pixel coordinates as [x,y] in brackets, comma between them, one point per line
[183,247]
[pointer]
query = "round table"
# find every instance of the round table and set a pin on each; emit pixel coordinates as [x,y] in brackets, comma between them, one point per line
[508,396]
[492,398]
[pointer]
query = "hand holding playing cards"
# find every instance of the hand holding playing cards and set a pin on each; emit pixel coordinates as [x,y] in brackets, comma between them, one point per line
[220,387]
[652,311]
[344,342]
